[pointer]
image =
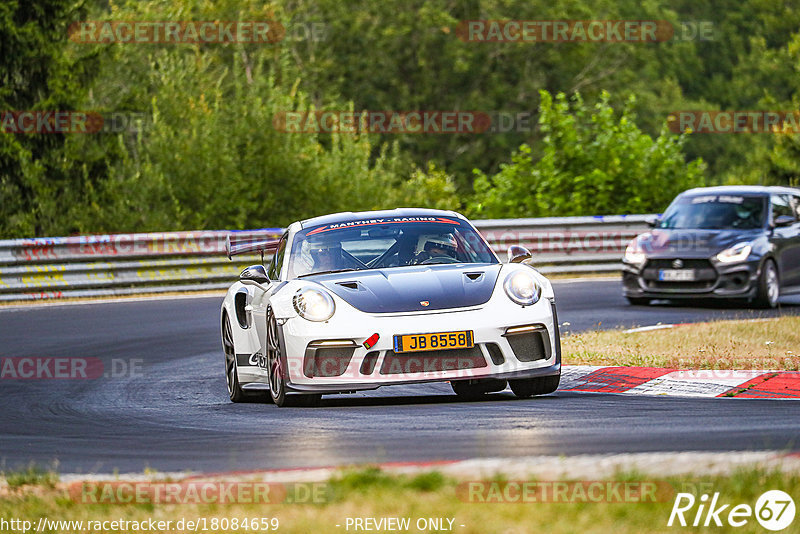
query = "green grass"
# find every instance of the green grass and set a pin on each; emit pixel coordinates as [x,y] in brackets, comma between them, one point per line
[731,344]
[370,492]
[32,475]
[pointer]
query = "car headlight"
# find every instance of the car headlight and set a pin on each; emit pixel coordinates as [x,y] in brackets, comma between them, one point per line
[738,252]
[314,304]
[522,288]
[634,254]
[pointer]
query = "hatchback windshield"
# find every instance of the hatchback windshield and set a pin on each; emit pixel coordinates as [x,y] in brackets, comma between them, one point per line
[716,212]
[383,243]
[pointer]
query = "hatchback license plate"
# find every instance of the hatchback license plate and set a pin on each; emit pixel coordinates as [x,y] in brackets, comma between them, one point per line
[676,275]
[437,341]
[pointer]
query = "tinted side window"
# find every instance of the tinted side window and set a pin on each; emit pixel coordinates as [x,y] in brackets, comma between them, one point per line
[274,271]
[781,206]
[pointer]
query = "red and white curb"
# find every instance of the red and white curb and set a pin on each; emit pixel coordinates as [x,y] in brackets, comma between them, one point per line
[752,384]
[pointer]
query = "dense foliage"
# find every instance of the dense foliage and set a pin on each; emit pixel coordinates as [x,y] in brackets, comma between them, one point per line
[203,152]
[590,162]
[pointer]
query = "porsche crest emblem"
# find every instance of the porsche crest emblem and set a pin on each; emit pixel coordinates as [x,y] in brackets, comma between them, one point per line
[424,303]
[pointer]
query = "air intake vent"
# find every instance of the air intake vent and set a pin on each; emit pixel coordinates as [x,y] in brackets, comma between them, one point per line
[432,361]
[327,362]
[473,276]
[530,346]
[349,285]
[495,353]
[368,365]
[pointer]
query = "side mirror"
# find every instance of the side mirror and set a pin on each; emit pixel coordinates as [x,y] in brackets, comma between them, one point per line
[254,273]
[652,221]
[518,254]
[784,220]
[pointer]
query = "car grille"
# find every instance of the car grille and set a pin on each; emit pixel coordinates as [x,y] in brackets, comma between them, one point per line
[705,275]
[703,268]
[432,361]
[679,286]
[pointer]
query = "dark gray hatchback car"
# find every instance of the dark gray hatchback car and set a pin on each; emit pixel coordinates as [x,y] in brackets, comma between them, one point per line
[736,242]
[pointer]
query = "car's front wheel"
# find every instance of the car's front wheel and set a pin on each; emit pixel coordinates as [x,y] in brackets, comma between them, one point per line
[540,385]
[231,373]
[769,288]
[277,371]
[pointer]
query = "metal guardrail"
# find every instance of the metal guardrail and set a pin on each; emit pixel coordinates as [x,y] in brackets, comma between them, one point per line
[124,264]
[567,244]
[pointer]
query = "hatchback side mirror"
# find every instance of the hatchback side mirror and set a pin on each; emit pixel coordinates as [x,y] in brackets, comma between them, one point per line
[784,220]
[518,254]
[254,273]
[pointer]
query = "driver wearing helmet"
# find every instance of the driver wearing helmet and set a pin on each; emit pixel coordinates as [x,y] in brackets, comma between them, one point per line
[431,247]
[327,255]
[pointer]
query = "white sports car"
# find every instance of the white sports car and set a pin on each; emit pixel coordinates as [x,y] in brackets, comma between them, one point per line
[355,301]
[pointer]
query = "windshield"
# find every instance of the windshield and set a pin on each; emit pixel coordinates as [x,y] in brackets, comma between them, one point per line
[716,212]
[386,243]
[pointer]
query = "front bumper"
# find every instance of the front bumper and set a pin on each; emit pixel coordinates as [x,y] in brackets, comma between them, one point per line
[496,354]
[714,280]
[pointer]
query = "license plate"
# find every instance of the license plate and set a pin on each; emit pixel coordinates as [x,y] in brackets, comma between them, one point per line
[676,275]
[438,341]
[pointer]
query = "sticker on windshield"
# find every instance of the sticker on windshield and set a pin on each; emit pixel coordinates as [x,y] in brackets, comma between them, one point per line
[373,222]
[726,199]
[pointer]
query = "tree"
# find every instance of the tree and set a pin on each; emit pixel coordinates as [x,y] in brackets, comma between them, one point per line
[590,162]
[39,179]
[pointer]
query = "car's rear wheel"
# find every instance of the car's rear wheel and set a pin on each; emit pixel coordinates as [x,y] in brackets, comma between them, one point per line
[231,373]
[638,301]
[475,389]
[277,371]
[540,385]
[769,288]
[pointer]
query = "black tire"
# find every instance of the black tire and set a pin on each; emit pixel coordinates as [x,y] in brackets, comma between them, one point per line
[769,286]
[231,373]
[475,389]
[540,385]
[277,371]
[638,301]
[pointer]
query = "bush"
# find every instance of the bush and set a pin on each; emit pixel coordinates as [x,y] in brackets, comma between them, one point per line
[590,162]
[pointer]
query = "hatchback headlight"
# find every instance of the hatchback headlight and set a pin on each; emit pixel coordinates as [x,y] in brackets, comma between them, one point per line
[738,252]
[522,288]
[314,304]
[634,254]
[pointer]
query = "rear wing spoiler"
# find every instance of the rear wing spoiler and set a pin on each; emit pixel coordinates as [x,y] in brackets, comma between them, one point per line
[251,242]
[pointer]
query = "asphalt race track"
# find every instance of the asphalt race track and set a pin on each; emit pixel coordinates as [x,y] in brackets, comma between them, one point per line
[175,414]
